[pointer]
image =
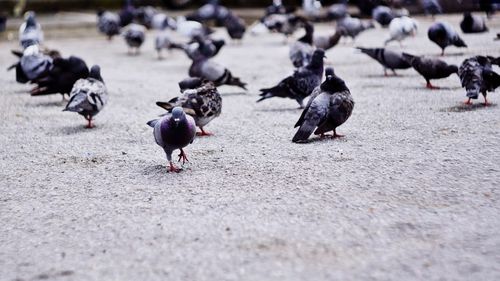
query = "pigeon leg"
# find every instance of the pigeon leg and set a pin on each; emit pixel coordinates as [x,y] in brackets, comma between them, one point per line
[442,52]
[335,135]
[183,156]
[385,72]
[173,168]
[89,122]
[394,72]
[203,133]
[160,57]
[430,86]
[486,102]
[468,101]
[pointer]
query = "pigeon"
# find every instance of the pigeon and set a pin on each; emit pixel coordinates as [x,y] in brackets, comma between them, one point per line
[202,47]
[212,71]
[354,26]
[235,26]
[311,8]
[477,76]
[30,32]
[144,16]
[330,105]
[277,8]
[301,50]
[32,65]
[127,13]
[210,11]
[444,35]
[163,41]
[299,85]
[88,96]
[3,23]
[473,24]
[337,11]
[328,42]
[432,7]
[61,77]
[174,131]
[161,21]
[383,15]
[200,99]
[134,35]
[431,68]
[487,6]
[108,23]
[285,24]
[388,59]
[400,28]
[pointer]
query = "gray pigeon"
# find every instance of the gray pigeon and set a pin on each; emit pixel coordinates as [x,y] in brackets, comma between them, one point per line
[88,96]
[32,64]
[401,28]
[431,68]
[388,59]
[174,131]
[301,51]
[134,35]
[164,41]
[30,32]
[473,24]
[202,47]
[299,85]
[477,76]
[354,26]
[108,23]
[330,105]
[328,42]
[444,35]
[285,24]
[207,69]
[432,7]
[200,99]
[337,11]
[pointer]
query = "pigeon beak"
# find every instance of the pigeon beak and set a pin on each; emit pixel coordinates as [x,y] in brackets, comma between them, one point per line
[177,120]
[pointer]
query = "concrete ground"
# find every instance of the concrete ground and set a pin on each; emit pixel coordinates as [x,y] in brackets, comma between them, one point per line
[410,193]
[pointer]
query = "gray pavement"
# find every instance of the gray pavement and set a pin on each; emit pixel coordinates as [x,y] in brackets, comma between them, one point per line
[410,193]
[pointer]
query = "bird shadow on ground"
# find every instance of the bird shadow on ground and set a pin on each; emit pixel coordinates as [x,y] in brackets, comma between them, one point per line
[425,89]
[295,109]
[384,76]
[21,92]
[76,129]
[233,94]
[154,170]
[321,139]
[467,107]
[49,103]
[450,55]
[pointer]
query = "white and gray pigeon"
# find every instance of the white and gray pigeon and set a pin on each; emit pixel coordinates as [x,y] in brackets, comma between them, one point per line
[189,28]
[299,85]
[388,59]
[285,24]
[199,99]
[473,23]
[383,15]
[163,41]
[330,105]
[108,23]
[328,42]
[174,131]
[301,51]
[32,64]
[88,96]
[201,47]
[30,32]
[401,28]
[477,76]
[312,9]
[206,68]
[444,35]
[354,26]
[134,35]
[161,21]
[337,11]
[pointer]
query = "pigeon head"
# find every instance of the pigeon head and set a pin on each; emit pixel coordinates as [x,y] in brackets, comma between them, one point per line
[452,69]
[177,115]
[190,83]
[329,72]
[333,83]
[30,18]
[95,72]
[317,58]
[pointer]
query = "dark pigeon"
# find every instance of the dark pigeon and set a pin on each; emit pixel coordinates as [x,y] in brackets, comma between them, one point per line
[174,131]
[432,7]
[473,24]
[301,51]
[330,105]
[285,24]
[61,77]
[354,26]
[200,99]
[235,26]
[134,35]
[205,68]
[383,15]
[477,76]
[299,85]
[388,59]
[108,23]
[431,68]
[3,23]
[337,11]
[444,35]
[127,13]
[88,96]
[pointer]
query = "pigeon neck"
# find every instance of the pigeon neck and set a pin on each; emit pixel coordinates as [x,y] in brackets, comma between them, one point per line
[334,84]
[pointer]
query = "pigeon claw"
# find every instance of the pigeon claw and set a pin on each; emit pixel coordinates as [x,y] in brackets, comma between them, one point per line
[432,87]
[468,102]
[183,157]
[203,133]
[173,169]
[89,122]
[335,135]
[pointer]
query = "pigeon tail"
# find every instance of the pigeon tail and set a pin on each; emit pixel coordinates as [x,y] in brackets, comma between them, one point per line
[152,123]
[303,133]
[165,105]
[458,42]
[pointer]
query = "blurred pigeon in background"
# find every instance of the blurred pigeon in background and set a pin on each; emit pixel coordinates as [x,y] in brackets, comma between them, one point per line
[444,35]
[383,15]
[205,68]
[337,11]
[108,23]
[473,24]
[354,26]
[301,51]
[432,7]
[401,28]
[32,65]
[134,35]
[328,42]
[330,105]
[388,59]
[88,96]
[30,32]
[174,131]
